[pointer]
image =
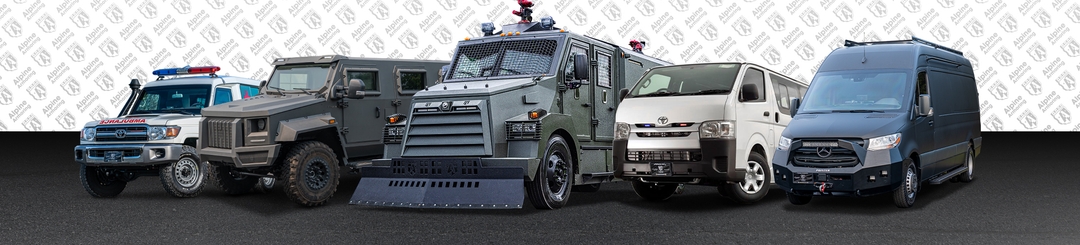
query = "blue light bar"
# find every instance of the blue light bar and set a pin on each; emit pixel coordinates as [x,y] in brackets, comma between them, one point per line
[187,70]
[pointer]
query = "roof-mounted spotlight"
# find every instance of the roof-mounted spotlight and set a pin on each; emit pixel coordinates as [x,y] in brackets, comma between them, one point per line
[547,22]
[488,28]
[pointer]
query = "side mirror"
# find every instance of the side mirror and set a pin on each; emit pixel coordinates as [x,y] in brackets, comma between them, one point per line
[355,89]
[622,93]
[748,92]
[794,107]
[581,66]
[924,105]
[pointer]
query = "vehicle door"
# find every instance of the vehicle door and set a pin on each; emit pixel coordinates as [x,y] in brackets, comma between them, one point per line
[578,102]
[604,96]
[924,127]
[363,118]
[783,91]
[754,116]
[224,94]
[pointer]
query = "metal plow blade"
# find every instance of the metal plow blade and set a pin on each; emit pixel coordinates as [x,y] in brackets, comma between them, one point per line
[484,188]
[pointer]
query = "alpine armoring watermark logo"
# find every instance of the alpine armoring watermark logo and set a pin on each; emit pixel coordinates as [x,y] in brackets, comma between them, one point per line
[714,3]
[114,14]
[240,62]
[913,6]
[31,123]
[578,16]
[66,119]
[341,47]
[346,15]
[1037,52]
[646,7]
[380,10]
[105,82]
[71,86]
[708,31]
[675,35]
[877,8]
[216,4]
[99,113]
[844,13]
[742,27]
[1007,22]
[75,52]
[46,23]
[993,123]
[313,20]
[448,4]
[941,32]
[810,17]
[6,98]
[1074,13]
[680,5]
[7,61]
[612,11]
[947,3]
[1004,57]
[245,29]
[1062,115]
[1071,47]
[278,24]
[1041,18]
[375,44]
[182,6]
[413,6]
[42,57]
[143,43]
[148,9]
[80,18]
[211,34]
[13,28]
[442,34]
[805,51]
[999,91]
[109,47]
[974,28]
[1033,86]
[771,55]
[177,38]
[776,22]
[37,91]
[1028,119]
[1067,81]
[483,2]
[409,39]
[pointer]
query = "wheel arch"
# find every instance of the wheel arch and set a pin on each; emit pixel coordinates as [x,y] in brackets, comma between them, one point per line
[326,135]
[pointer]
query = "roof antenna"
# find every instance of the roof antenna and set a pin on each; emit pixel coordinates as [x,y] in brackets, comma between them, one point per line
[864,55]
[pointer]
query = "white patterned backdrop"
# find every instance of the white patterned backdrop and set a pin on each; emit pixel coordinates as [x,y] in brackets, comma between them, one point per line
[65,62]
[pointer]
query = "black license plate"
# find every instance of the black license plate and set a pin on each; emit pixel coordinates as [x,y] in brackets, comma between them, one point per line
[802,178]
[661,168]
[114,156]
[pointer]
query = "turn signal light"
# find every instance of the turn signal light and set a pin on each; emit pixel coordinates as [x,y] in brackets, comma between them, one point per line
[332,121]
[396,118]
[534,114]
[172,131]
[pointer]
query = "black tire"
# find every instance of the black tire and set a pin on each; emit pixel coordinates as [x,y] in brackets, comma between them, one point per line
[185,177]
[970,162]
[551,187]
[232,184]
[797,199]
[99,184]
[655,192]
[587,188]
[311,173]
[266,185]
[904,197]
[755,184]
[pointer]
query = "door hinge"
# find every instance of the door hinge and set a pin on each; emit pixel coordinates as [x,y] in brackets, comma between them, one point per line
[344,130]
[594,63]
[595,122]
[395,103]
[343,103]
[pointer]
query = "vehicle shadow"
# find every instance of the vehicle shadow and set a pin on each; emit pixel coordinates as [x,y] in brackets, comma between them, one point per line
[875,205]
[699,199]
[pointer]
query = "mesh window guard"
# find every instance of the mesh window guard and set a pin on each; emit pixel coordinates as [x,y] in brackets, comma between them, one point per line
[507,58]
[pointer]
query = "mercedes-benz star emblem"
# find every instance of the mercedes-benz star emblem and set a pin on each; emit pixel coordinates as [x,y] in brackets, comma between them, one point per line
[662,120]
[824,152]
[445,106]
[120,133]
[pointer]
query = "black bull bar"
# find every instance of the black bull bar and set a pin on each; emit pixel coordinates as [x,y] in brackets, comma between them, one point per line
[440,183]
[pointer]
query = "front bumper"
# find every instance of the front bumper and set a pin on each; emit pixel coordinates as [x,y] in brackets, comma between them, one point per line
[133,155]
[242,157]
[716,164]
[450,167]
[884,166]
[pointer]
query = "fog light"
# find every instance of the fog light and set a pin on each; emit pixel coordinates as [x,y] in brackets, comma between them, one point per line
[884,173]
[872,178]
[157,153]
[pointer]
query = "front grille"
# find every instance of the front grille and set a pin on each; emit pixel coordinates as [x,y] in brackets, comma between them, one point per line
[676,155]
[448,133]
[219,132]
[837,157]
[127,153]
[129,133]
[663,134]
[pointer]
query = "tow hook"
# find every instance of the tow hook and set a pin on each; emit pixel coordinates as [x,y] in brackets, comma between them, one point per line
[822,186]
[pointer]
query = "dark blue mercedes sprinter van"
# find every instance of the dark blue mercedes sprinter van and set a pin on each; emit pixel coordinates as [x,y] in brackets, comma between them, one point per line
[881,117]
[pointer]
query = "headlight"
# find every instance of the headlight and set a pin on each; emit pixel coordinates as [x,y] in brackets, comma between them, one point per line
[525,127]
[257,124]
[160,133]
[528,130]
[884,142]
[88,134]
[716,129]
[783,144]
[622,130]
[393,134]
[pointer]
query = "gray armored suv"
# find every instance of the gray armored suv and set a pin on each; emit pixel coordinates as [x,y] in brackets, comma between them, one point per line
[315,115]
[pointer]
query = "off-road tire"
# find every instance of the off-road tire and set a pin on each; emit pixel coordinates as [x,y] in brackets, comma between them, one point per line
[266,184]
[185,177]
[232,185]
[654,192]
[587,188]
[96,185]
[559,161]
[756,181]
[970,162]
[797,199]
[904,197]
[311,173]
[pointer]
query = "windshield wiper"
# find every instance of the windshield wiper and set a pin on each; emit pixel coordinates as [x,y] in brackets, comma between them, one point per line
[657,94]
[179,111]
[710,91]
[859,111]
[278,89]
[305,91]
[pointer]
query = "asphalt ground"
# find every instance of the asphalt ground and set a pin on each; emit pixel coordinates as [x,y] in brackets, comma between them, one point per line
[1025,192]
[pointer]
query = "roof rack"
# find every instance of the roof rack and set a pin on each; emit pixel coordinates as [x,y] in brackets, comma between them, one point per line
[849,43]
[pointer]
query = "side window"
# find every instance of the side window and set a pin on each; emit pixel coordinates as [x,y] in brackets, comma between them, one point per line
[370,78]
[603,69]
[410,81]
[755,76]
[248,91]
[923,87]
[222,96]
[780,89]
[569,71]
[793,92]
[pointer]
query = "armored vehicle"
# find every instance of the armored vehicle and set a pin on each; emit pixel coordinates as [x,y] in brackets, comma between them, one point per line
[709,124]
[881,117]
[315,115]
[156,132]
[528,109]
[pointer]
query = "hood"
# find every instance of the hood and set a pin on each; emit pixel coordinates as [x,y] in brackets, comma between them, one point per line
[261,106]
[688,108]
[478,87]
[844,125]
[149,119]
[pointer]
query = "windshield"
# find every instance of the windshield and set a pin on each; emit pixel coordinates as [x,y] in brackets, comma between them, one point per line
[184,99]
[299,77]
[505,58]
[857,91]
[687,80]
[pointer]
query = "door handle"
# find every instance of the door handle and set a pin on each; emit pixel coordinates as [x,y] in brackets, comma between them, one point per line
[777,116]
[586,105]
[378,112]
[766,113]
[931,122]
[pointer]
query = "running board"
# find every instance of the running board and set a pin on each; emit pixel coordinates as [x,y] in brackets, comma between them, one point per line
[949,175]
[596,178]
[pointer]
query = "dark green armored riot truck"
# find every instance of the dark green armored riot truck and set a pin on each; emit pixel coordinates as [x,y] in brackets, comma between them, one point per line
[315,114]
[528,109]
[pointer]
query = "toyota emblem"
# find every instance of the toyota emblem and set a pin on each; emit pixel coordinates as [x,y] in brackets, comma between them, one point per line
[824,152]
[662,120]
[120,133]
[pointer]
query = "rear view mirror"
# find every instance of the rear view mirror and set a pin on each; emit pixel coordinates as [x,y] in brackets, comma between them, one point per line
[623,92]
[794,106]
[924,105]
[581,66]
[749,92]
[355,90]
